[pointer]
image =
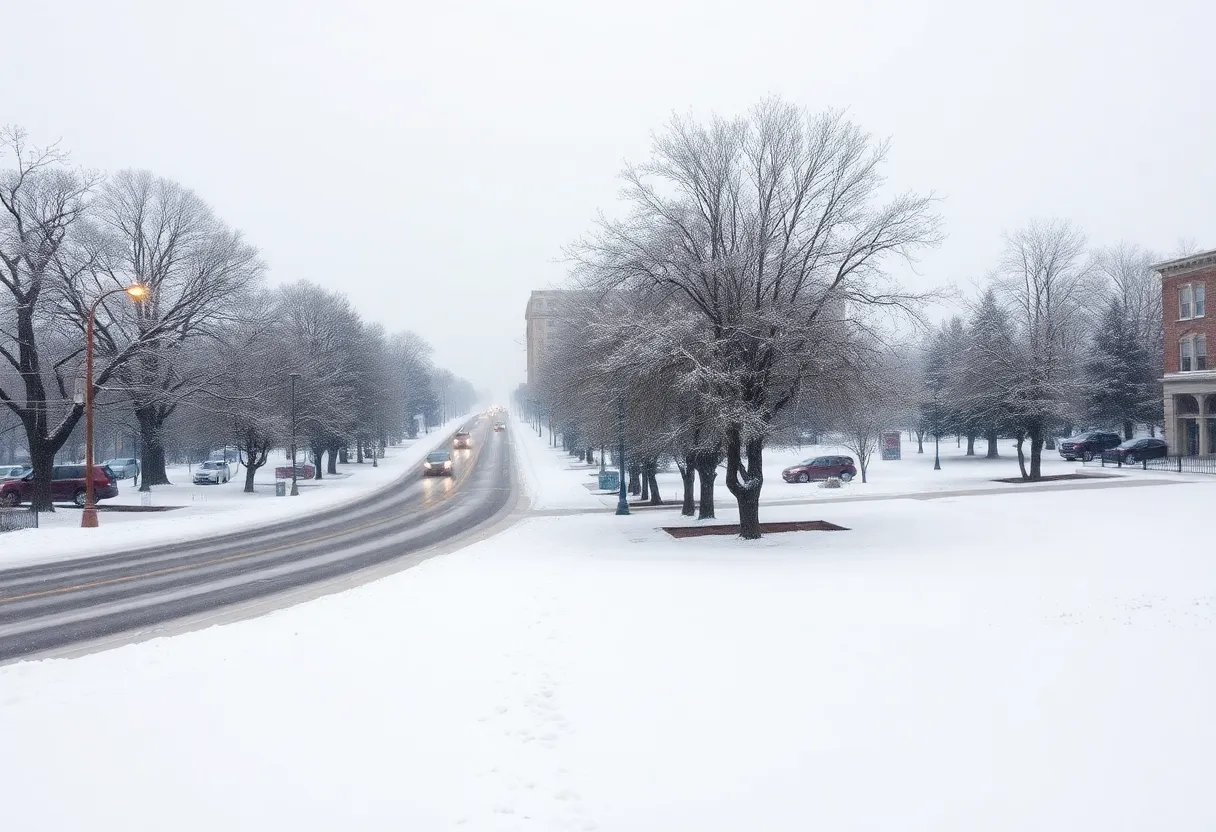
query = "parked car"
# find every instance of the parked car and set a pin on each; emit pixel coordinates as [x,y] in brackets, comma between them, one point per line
[1134,450]
[821,468]
[461,441]
[13,472]
[67,483]
[125,468]
[438,464]
[499,427]
[1088,445]
[212,472]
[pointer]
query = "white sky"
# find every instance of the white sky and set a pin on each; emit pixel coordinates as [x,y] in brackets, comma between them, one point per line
[430,160]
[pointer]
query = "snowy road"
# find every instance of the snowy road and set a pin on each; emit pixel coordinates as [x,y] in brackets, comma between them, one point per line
[56,605]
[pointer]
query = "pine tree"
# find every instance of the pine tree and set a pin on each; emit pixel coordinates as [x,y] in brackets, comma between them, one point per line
[1120,372]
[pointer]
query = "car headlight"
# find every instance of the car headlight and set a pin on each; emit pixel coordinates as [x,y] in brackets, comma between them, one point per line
[447,465]
[426,465]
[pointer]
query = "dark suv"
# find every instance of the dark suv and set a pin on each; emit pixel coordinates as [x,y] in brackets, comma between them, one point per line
[67,484]
[820,468]
[1089,445]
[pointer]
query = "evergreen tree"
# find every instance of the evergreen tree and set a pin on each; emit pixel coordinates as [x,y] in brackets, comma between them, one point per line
[1121,372]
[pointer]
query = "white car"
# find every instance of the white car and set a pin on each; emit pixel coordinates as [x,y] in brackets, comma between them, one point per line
[212,472]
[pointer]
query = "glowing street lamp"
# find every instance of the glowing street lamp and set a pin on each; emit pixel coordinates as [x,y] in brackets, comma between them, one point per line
[136,292]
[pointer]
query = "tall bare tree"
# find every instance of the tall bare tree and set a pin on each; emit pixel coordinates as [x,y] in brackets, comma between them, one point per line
[166,237]
[770,229]
[1048,285]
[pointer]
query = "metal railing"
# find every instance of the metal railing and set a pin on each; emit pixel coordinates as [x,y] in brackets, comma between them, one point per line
[1177,463]
[13,519]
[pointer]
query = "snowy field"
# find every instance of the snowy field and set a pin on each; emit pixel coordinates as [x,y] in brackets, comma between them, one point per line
[1026,661]
[207,509]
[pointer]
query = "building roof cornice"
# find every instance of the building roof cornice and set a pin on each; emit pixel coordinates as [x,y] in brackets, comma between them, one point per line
[1186,264]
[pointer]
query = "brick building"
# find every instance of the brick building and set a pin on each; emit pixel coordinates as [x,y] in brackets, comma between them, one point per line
[1189,385]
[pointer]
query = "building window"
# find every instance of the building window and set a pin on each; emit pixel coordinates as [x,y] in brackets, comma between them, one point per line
[1193,353]
[1199,299]
[1184,301]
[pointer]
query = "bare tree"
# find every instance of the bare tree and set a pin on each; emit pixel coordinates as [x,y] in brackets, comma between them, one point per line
[165,236]
[1048,286]
[770,231]
[42,205]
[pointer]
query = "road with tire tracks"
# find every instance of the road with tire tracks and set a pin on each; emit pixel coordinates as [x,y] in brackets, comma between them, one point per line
[111,599]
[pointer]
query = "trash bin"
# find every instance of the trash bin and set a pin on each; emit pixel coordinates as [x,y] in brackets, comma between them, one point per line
[280,489]
[610,480]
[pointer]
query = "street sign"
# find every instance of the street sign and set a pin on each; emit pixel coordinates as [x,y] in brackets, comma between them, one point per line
[891,444]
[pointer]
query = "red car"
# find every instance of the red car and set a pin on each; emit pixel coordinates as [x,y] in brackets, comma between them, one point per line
[821,468]
[67,484]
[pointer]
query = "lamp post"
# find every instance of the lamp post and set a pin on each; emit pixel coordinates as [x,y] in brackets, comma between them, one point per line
[622,500]
[937,430]
[136,292]
[295,489]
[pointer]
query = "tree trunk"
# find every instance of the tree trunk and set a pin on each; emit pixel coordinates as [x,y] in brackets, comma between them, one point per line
[993,450]
[688,476]
[1022,456]
[358,451]
[652,470]
[745,479]
[250,472]
[971,444]
[920,441]
[1129,429]
[42,459]
[1036,455]
[336,454]
[318,462]
[635,487]
[707,473]
[152,439]
[644,475]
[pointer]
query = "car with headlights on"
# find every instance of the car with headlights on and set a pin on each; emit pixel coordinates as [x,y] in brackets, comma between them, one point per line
[438,464]
[212,472]
[462,441]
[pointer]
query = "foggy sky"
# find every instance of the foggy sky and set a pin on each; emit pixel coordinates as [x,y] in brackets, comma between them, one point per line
[430,160]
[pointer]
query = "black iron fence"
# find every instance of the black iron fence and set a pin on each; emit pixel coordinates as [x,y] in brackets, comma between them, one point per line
[1178,463]
[12,519]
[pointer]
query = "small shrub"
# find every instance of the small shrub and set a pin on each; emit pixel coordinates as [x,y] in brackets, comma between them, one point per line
[830,482]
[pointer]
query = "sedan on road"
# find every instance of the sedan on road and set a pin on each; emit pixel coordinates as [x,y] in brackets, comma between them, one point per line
[212,472]
[821,468]
[438,464]
[1135,450]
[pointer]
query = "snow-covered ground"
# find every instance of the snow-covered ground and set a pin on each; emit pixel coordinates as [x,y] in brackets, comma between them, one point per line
[207,509]
[1000,662]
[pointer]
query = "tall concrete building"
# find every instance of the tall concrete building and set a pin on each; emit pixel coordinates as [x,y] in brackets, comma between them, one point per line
[541,316]
[1189,384]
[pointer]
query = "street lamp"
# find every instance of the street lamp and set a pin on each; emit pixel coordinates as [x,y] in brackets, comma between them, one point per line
[937,430]
[295,489]
[136,292]
[622,501]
